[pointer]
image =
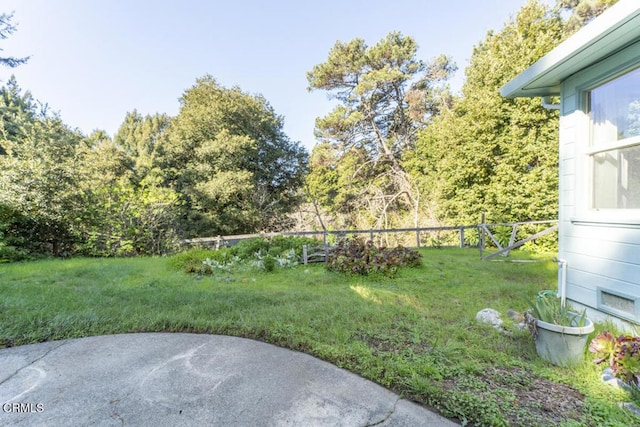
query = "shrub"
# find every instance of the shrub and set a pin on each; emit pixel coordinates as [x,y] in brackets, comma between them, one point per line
[269,263]
[277,246]
[289,243]
[287,259]
[11,253]
[246,249]
[353,256]
[224,263]
[191,260]
[264,254]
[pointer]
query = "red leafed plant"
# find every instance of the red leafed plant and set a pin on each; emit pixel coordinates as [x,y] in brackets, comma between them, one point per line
[622,353]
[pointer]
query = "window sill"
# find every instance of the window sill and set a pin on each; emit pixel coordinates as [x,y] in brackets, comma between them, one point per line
[606,222]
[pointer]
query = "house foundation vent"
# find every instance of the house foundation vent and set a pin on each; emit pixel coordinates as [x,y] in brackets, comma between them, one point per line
[618,304]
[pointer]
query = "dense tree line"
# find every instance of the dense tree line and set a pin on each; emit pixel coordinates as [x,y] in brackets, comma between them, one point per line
[487,154]
[399,149]
[223,165]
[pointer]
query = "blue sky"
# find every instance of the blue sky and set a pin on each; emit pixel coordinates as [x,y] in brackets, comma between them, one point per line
[93,61]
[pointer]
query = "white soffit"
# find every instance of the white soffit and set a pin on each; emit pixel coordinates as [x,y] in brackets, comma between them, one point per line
[616,28]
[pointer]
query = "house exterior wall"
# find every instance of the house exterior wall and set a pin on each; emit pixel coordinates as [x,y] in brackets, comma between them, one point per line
[602,249]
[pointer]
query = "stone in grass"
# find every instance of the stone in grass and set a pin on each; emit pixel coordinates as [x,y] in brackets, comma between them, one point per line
[518,318]
[491,316]
[631,408]
[609,378]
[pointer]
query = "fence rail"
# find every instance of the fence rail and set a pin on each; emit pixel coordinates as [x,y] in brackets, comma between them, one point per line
[483,229]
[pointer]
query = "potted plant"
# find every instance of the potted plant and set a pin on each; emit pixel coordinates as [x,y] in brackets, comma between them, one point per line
[559,332]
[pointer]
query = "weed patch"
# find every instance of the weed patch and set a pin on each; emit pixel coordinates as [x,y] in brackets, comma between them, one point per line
[354,256]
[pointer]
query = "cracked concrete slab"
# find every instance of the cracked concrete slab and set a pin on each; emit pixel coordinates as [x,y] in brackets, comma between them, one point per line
[157,379]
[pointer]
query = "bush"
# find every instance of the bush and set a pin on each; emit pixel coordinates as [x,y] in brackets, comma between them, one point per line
[224,265]
[23,236]
[353,256]
[277,246]
[288,243]
[191,260]
[11,253]
[246,249]
[264,254]
[269,263]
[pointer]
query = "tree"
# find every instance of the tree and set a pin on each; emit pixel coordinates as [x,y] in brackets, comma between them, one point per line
[142,138]
[6,29]
[386,95]
[125,208]
[582,12]
[489,154]
[37,175]
[17,114]
[62,193]
[230,160]
[329,186]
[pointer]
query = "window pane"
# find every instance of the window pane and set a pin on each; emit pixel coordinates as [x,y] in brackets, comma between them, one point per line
[615,109]
[617,179]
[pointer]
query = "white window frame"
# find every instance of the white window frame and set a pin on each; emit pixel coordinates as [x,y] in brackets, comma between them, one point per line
[590,213]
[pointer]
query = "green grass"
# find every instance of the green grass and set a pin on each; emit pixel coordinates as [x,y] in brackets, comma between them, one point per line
[415,334]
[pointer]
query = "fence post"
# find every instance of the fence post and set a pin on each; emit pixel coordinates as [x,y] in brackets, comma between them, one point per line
[462,237]
[371,235]
[418,236]
[512,240]
[481,235]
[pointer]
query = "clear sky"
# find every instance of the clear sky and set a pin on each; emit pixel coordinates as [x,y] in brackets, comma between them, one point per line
[95,60]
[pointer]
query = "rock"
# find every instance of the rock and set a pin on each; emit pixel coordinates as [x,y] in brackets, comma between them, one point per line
[631,408]
[607,376]
[489,315]
[515,316]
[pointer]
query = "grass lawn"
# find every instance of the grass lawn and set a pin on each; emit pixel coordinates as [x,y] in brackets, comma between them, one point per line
[415,334]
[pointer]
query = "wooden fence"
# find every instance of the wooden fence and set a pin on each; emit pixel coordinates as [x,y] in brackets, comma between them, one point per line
[423,236]
[484,230]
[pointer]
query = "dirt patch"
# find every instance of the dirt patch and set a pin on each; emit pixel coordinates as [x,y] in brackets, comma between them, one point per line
[530,400]
[397,341]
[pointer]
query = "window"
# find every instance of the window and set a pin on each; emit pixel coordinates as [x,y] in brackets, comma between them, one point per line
[614,110]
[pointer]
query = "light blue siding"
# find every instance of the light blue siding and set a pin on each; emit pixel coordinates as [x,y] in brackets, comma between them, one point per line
[602,254]
[614,265]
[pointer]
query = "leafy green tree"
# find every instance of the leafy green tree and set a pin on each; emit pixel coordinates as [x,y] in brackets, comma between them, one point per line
[17,114]
[123,213]
[142,139]
[61,193]
[228,157]
[581,12]
[6,29]
[386,95]
[330,186]
[126,220]
[493,155]
[37,174]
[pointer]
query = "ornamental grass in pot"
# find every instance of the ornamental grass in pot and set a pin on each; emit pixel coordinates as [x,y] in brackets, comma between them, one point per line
[560,332]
